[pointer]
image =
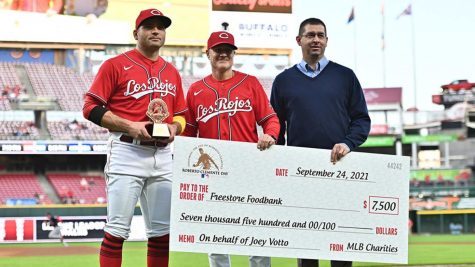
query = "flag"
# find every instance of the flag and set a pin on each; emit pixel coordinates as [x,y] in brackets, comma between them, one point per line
[407,11]
[352,15]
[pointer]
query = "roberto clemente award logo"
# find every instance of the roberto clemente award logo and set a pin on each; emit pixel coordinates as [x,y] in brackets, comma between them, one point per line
[206,161]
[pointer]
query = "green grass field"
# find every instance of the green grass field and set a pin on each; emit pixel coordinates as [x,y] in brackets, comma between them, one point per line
[423,250]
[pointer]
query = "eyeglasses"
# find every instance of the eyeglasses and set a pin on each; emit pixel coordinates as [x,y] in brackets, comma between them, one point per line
[312,35]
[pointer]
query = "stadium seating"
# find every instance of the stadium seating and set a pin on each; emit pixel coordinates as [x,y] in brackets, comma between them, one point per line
[73,130]
[54,81]
[63,83]
[18,130]
[10,86]
[20,185]
[64,182]
[5,104]
[187,81]
[8,76]
[267,84]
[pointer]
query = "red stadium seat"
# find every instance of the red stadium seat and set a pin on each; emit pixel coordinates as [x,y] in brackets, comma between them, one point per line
[21,185]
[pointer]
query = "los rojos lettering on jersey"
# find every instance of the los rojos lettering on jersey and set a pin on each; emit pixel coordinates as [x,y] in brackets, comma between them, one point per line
[154,85]
[223,105]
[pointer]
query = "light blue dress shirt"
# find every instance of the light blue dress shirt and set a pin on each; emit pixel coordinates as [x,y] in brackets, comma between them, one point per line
[305,68]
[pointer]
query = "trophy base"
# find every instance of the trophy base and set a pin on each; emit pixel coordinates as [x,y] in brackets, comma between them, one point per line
[159,131]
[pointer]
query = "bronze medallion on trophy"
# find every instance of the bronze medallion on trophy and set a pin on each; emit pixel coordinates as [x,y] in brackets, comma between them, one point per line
[158,112]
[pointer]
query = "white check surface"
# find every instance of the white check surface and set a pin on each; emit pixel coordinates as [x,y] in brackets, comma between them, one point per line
[229,197]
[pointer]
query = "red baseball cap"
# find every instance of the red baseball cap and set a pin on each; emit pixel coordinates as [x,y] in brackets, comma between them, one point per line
[221,37]
[152,12]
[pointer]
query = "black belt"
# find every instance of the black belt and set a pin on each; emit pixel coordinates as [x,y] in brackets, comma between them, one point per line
[129,139]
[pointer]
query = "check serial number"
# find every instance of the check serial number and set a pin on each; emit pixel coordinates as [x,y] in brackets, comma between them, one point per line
[394,165]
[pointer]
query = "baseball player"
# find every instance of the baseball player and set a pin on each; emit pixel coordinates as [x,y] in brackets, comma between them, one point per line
[138,166]
[53,221]
[228,105]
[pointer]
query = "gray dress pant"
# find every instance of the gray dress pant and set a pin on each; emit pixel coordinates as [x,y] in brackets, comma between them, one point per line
[223,260]
[314,263]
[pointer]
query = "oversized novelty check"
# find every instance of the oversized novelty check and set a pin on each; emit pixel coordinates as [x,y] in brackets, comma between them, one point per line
[231,198]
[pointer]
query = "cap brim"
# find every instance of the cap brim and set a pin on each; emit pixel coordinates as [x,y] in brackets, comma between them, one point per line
[166,20]
[233,46]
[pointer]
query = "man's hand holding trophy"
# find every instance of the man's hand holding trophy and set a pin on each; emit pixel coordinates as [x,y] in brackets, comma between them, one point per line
[158,112]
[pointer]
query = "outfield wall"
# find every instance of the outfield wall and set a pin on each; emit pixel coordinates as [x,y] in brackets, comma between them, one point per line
[27,224]
[446,221]
[73,228]
[61,210]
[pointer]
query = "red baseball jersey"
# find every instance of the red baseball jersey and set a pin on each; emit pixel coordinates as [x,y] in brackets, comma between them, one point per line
[227,110]
[128,82]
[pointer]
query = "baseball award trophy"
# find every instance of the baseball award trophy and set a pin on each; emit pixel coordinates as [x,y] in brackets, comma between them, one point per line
[158,112]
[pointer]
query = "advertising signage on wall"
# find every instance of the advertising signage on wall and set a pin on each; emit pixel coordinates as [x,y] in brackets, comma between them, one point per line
[445,174]
[408,139]
[448,99]
[73,228]
[379,141]
[255,23]
[52,147]
[277,6]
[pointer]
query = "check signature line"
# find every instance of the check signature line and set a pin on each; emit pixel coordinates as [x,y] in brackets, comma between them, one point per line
[277,227]
[352,227]
[211,243]
[283,206]
[333,179]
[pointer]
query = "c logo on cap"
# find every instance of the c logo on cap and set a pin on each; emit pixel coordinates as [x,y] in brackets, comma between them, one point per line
[224,35]
[156,12]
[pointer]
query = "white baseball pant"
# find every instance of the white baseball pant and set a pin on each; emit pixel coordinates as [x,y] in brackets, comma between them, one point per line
[136,172]
[55,233]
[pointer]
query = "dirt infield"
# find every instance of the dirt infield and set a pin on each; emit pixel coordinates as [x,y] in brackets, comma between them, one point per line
[50,251]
